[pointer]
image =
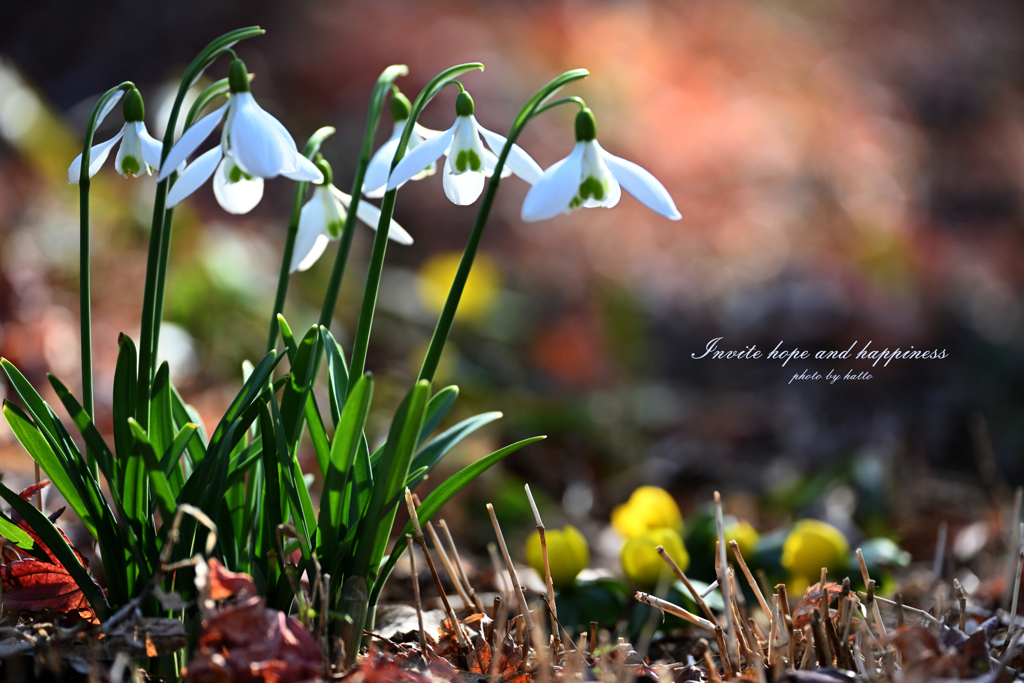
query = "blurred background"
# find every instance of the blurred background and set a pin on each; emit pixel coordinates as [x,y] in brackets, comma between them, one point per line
[846,172]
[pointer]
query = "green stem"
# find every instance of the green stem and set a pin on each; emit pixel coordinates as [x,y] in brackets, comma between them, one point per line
[312,147]
[365,325]
[385,83]
[161,281]
[534,107]
[85,258]
[156,264]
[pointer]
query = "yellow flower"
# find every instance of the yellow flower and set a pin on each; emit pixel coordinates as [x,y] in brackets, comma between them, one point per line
[811,545]
[482,287]
[568,554]
[648,508]
[642,563]
[746,537]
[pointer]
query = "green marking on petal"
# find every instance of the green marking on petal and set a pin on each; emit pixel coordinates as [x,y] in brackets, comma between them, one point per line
[575,203]
[334,229]
[130,165]
[591,187]
[236,174]
[474,161]
[462,161]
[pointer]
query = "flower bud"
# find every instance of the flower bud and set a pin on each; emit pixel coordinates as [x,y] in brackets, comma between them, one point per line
[464,104]
[586,125]
[649,507]
[811,545]
[132,106]
[745,535]
[641,561]
[238,76]
[325,168]
[401,108]
[568,554]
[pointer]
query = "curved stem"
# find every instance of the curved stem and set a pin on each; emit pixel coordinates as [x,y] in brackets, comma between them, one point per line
[534,107]
[387,209]
[310,150]
[102,108]
[385,83]
[156,263]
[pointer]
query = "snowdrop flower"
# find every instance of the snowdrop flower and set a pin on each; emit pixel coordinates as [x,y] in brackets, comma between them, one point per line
[468,162]
[590,176]
[375,182]
[254,145]
[139,152]
[323,217]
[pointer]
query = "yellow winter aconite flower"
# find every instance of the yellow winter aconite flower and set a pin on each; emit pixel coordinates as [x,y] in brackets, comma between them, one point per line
[482,287]
[641,561]
[811,545]
[745,535]
[649,507]
[568,554]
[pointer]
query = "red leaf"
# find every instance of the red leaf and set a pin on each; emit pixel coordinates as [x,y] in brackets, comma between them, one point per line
[40,586]
[29,584]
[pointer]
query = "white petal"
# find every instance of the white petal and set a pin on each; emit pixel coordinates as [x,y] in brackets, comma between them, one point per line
[490,162]
[97,155]
[418,159]
[376,179]
[521,163]
[462,188]
[370,214]
[645,187]
[190,140]
[594,166]
[108,107]
[257,141]
[426,133]
[131,148]
[556,188]
[152,148]
[237,197]
[194,175]
[310,240]
[304,170]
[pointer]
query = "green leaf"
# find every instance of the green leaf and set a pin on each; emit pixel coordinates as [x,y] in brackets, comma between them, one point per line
[289,337]
[321,445]
[49,535]
[438,497]
[431,454]
[437,409]
[88,430]
[375,526]
[125,389]
[34,404]
[337,374]
[161,417]
[270,507]
[185,414]
[256,384]
[15,534]
[294,483]
[343,453]
[158,481]
[303,366]
[42,453]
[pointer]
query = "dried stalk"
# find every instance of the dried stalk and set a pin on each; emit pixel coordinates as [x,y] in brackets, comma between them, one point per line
[730,629]
[750,579]
[448,567]
[544,552]
[416,595]
[477,603]
[864,574]
[672,608]
[689,586]
[523,607]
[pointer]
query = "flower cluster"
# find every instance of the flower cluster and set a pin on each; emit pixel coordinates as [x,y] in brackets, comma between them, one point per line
[650,518]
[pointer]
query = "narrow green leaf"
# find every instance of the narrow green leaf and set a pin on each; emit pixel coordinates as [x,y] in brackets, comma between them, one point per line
[43,454]
[293,400]
[343,453]
[16,535]
[431,454]
[321,444]
[437,409]
[337,373]
[185,414]
[270,518]
[125,388]
[161,417]
[158,481]
[88,430]
[294,484]
[375,526]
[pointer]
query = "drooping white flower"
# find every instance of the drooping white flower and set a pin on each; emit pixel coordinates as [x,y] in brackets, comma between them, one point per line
[590,177]
[139,152]
[376,179]
[323,217]
[468,163]
[254,145]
